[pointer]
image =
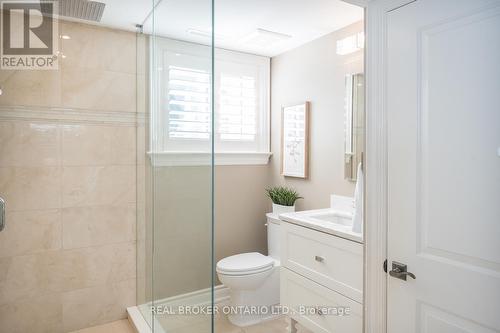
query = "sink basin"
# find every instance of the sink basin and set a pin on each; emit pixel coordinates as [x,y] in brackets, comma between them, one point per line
[333,218]
[331,221]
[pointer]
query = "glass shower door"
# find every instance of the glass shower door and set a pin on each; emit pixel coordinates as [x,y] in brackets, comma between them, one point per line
[175,196]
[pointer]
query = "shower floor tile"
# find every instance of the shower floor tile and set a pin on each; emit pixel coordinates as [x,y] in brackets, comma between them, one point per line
[222,325]
[120,326]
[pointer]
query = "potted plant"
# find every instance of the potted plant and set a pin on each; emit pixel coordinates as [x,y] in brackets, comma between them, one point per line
[283,199]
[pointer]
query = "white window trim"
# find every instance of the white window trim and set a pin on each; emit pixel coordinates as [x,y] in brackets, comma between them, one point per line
[193,158]
[161,157]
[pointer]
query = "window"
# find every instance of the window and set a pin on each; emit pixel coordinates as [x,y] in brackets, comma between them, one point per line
[237,107]
[188,103]
[183,113]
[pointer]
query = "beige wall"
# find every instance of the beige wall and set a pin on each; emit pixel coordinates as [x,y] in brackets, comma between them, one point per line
[182,223]
[67,172]
[240,209]
[314,72]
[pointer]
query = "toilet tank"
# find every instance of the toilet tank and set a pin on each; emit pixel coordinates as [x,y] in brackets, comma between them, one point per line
[273,236]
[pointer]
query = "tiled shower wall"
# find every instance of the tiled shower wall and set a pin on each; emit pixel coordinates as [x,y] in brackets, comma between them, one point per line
[68,175]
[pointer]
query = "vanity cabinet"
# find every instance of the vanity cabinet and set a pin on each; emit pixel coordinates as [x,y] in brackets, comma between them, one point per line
[321,279]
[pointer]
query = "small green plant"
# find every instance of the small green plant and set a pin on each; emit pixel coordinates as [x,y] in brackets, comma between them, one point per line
[284,196]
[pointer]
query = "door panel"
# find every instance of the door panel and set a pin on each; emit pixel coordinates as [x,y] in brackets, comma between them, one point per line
[444,165]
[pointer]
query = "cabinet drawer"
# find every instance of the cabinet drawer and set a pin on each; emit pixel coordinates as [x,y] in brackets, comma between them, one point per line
[299,293]
[333,262]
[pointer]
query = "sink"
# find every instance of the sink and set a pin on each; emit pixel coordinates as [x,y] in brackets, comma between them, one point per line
[333,217]
[332,221]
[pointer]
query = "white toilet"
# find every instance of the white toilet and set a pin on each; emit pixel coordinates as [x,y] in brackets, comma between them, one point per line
[253,279]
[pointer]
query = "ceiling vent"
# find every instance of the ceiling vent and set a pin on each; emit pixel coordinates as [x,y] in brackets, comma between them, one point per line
[264,38]
[81,9]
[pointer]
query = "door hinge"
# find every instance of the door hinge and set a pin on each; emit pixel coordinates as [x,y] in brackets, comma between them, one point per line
[385,265]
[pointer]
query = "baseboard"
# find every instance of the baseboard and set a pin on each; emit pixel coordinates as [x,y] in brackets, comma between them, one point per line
[196,298]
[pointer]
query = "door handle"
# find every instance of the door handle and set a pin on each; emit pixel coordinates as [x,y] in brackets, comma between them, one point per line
[2,214]
[399,271]
[319,258]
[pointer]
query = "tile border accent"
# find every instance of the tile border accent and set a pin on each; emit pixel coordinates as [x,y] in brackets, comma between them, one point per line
[70,115]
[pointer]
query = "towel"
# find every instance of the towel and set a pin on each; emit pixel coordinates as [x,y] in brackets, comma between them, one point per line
[357,219]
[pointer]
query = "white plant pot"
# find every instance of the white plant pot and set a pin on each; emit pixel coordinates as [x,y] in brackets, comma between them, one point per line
[280,209]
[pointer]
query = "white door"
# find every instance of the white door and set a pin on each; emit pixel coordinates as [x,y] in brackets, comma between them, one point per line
[443,109]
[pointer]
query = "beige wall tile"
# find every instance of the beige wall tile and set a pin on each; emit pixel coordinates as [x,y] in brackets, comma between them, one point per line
[26,188]
[97,266]
[31,232]
[109,270]
[30,88]
[104,185]
[45,164]
[97,225]
[98,90]
[5,263]
[123,145]
[58,271]
[40,314]
[93,306]
[30,276]
[142,53]
[94,47]
[24,143]
[142,93]
[141,139]
[142,188]
[86,144]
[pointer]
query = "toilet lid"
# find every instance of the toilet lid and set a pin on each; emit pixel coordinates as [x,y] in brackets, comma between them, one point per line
[244,263]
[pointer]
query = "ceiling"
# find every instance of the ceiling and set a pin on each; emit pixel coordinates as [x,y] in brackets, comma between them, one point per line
[237,22]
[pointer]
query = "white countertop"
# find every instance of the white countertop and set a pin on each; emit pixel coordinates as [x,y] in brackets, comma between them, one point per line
[317,220]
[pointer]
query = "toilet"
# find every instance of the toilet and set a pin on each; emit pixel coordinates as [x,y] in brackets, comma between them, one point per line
[253,280]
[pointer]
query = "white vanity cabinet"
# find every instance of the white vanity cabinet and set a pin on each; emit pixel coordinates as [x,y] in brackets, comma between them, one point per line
[322,275]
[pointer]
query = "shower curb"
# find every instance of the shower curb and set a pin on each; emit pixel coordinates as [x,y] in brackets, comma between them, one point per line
[196,298]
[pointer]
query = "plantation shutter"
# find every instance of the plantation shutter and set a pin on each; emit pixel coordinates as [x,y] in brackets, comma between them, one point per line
[188,103]
[237,111]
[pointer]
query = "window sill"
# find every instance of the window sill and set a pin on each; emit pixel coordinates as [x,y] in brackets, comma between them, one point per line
[188,158]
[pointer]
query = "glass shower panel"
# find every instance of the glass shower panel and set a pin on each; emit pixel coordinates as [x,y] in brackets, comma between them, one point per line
[175,214]
[144,253]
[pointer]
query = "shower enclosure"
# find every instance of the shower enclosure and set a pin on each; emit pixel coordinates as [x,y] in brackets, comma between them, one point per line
[175,167]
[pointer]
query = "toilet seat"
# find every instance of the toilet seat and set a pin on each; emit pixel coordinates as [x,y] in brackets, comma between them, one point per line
[245,264]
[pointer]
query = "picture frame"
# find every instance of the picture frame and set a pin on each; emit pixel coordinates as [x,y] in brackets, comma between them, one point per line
[295,140]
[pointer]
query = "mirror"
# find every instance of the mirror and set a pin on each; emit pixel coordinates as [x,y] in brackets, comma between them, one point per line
[354,124]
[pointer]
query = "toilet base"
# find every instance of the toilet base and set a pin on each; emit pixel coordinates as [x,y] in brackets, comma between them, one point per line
[250,307]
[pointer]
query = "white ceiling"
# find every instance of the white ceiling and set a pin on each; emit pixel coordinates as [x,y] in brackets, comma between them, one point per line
[235,20]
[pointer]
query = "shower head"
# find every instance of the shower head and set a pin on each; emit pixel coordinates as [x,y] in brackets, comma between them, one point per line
[80,9]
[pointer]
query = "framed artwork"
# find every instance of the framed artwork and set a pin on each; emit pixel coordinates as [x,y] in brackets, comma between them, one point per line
[295,140]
